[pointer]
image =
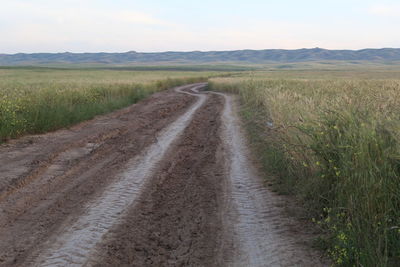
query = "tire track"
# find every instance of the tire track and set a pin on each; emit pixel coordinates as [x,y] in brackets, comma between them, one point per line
[36,212]
[74,246]
[176,220]
[262,231]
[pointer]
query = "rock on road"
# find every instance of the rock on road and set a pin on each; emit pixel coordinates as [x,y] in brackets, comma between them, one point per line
[165,182]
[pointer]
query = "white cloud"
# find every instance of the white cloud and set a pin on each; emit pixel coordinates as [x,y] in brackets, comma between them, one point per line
[385,10]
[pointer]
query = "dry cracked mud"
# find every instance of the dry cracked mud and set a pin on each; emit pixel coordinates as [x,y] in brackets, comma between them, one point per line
[165,182]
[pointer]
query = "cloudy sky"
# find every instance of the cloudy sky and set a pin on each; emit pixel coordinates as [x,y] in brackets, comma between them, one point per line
[184,25]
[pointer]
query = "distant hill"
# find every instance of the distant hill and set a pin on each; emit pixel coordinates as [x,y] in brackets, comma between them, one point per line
[197,57]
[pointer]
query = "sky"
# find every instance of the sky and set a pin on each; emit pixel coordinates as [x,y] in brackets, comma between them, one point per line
[31,26]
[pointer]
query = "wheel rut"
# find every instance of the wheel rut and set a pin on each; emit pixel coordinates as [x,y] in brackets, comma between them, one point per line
[39,206]
[263,232]
[177,220]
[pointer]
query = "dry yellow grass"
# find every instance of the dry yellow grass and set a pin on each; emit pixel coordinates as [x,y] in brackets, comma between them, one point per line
[335,142]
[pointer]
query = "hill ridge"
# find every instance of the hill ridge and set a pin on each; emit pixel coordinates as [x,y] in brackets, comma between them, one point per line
[239,56]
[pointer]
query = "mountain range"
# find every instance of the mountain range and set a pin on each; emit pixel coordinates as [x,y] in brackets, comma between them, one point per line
[198,57]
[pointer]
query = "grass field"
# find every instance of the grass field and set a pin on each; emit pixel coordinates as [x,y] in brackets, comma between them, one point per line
[37,100]
[332,138]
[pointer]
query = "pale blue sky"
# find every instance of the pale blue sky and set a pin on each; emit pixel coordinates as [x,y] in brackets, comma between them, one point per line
[178,25]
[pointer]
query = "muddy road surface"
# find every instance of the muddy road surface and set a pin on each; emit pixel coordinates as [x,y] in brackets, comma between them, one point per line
[165,182]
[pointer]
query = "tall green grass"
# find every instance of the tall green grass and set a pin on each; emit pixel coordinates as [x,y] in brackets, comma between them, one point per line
[335,143]
[37,100]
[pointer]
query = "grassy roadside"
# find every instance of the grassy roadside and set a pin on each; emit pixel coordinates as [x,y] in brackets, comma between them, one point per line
[334,144]
[39,100]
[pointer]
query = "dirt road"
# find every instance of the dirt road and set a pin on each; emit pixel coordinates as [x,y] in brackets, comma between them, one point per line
[165,182]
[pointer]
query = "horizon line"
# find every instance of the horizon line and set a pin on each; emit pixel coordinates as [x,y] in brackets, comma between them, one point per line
[200,51]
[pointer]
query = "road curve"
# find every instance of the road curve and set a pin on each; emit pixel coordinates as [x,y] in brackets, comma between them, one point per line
[166,182]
